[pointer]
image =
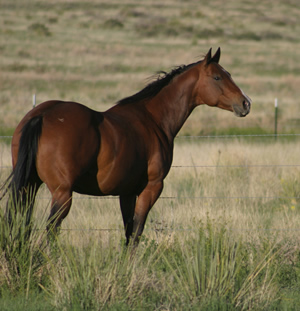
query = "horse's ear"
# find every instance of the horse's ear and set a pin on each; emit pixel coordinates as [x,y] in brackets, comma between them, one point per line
[207,58]
[216,57]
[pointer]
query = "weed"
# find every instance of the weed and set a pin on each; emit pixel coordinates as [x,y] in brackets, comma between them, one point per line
[39,29]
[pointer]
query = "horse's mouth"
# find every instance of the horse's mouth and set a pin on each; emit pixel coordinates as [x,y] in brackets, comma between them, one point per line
[242,111]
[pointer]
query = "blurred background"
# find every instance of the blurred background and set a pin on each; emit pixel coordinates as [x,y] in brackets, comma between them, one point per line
[98,52]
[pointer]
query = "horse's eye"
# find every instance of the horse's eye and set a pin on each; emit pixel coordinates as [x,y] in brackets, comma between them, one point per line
[217,78]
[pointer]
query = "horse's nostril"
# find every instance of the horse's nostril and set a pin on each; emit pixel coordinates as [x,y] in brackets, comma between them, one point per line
[245,105]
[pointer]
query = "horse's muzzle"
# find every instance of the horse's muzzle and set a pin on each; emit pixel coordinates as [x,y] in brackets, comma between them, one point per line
[242,110]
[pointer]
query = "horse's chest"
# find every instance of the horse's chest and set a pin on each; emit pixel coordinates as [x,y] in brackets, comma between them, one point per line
[129,164]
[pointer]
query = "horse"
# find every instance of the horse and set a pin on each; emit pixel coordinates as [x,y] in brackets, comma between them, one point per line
[125,151]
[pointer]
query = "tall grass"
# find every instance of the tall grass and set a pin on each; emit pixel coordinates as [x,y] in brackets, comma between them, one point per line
[97,278]
[212,270]
[22,248]
[217,271]
[208,265]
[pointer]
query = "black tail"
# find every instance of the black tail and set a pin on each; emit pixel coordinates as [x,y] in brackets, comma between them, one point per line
[19,182]
[28,147]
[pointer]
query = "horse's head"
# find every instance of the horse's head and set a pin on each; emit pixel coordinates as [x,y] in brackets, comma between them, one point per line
[215,87]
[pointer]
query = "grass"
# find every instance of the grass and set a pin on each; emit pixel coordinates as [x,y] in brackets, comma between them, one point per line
[100,52]
[22,260]
[223,236]
[208,271]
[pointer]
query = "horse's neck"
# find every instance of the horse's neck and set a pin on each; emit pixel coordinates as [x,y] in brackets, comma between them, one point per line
[172,106]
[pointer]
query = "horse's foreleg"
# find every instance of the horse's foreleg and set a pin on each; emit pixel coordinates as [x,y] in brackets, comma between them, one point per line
[127,204]
[144,203]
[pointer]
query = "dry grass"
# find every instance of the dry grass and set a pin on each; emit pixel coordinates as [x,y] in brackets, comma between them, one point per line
[253,187]
[249,188]
[97,52]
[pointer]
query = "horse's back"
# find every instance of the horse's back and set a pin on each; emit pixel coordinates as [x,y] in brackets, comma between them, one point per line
[54,110]
[59,119]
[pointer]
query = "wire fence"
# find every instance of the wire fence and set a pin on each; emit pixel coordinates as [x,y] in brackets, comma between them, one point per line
[225,138]
[217,166]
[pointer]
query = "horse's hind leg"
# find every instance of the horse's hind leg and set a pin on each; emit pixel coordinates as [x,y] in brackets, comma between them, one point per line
[60,207]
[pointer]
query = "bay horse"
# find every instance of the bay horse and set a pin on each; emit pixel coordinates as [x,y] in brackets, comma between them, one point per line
[125,151]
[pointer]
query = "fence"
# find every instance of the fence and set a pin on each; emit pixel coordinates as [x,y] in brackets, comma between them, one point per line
[224,138]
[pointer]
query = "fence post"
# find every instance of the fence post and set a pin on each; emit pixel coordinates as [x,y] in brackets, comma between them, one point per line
[33,100]
[276,117]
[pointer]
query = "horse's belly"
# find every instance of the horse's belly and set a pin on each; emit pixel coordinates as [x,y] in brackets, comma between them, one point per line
[87,184]
[119,186]
[114,182]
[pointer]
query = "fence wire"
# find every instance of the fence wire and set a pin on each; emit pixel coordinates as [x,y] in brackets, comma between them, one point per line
[206,137]
[238,136]
[219,136]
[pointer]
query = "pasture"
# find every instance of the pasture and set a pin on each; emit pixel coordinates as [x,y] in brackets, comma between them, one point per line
[225,233]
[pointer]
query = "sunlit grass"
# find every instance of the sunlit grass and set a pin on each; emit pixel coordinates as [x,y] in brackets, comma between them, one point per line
[226,201]
[233,202]
[76,52]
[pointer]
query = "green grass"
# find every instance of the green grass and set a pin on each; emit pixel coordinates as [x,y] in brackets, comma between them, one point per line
[6,132]
[208,270]
[36,301]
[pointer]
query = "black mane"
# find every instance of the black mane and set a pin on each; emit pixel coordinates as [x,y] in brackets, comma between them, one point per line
[154,87]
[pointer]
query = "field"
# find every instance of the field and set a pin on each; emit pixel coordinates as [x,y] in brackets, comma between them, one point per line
[225,233]
[98,52]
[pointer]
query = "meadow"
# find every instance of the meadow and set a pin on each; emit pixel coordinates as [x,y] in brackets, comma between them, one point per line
[97,52]
[225,233]
[223,236]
